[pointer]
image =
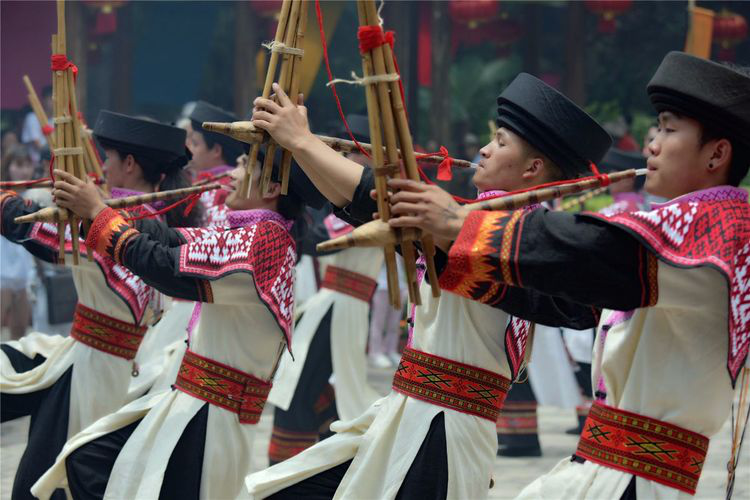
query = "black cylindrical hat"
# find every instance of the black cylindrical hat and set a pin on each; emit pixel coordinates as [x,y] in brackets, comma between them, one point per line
[142,137]
[712,93]
[553,124]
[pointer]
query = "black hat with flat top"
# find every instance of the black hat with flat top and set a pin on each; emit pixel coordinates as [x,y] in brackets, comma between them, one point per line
[142,137]
[552,124]
[712,93]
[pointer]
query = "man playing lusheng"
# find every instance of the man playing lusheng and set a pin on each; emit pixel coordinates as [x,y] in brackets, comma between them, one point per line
[662,349]
[434,435]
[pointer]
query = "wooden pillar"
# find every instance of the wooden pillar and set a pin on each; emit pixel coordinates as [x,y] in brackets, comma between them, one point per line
[246,44]
[440,109]
[575,53]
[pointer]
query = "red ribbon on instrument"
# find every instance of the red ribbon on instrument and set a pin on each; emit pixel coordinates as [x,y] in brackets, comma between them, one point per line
[191,199]
[60,62]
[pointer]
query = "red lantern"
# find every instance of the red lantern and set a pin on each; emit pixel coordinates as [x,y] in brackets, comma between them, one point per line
[473,12]
[106,17]
[729,30]
[266,8]
[608,10]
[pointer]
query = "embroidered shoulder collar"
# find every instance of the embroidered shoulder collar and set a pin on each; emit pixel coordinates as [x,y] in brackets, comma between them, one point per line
[244,218]
[718,193]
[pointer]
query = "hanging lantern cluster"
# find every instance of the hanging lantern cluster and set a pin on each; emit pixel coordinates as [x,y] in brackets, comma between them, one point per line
[477,22]
[106,16]
[608,10]
[729,30]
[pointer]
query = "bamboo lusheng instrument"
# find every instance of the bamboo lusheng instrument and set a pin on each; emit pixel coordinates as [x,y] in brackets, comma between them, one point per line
[55,214]
[387,115]
[68,142]
[36,106]
[294,36]
[245,131]
[377,233]
[581,200]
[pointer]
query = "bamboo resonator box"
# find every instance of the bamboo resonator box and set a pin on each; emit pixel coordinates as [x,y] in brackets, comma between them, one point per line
[378,233]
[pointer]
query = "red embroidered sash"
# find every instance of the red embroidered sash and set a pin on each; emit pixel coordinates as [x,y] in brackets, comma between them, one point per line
[349,283]
[643,446]
[451,384]
[223,386]
[105,333]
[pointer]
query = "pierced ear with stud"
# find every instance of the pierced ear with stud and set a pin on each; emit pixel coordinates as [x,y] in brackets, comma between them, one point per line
[711,166]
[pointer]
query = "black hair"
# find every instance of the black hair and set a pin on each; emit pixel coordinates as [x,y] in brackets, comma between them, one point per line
[174,177]
[290,206]
[740,163]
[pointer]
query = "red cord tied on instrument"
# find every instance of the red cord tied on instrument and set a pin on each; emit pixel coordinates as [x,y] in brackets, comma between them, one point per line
[60,62]
[48,129]
[191,200]
[604,178]
[445,168]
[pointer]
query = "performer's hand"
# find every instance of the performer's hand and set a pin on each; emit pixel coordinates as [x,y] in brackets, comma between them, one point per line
[286,122]
[82,197]
[427,207]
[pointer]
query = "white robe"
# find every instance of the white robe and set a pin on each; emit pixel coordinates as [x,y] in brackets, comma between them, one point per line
[99,383]
[667,362]
[237,330]
[385,440]
[350,326]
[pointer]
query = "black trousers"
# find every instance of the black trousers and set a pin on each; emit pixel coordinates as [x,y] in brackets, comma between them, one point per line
[90,466]
[427,478]
[313,405]
[48,430]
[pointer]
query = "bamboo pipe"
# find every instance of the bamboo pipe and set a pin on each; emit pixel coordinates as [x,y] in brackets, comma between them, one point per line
[57,91]
[373,117]
[580,200]
[410,162]
[56,214]
[272,63]
[286,158]
[284,79]
[370,17]
[245,131]
[377,233]
[36,106]
[48,183]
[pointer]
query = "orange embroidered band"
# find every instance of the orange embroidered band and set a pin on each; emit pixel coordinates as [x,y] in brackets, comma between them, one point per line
[109,233]
[451,384]
[349,283]
[643,446]
[223,386]
[105,333]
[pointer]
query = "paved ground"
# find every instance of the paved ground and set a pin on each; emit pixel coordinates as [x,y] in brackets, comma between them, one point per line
[511,475]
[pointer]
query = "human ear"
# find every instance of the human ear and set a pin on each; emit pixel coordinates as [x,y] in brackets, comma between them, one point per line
[274,191]
[534,168]
[721,156]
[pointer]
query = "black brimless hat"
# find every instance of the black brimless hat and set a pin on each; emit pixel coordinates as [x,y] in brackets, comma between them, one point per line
[553,124]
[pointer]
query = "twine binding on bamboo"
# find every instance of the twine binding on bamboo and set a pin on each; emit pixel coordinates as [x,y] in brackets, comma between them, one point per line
[283,48]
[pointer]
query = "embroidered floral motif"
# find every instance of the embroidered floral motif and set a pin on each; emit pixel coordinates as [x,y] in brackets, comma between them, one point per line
[516,340]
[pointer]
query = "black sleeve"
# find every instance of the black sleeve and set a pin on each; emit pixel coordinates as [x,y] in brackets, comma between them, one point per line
[154,261]
[360,210]
[14,206]
[160,232]
[547,310]
[571,256]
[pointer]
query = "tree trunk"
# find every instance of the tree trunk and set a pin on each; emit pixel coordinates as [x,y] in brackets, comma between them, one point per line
[440,109]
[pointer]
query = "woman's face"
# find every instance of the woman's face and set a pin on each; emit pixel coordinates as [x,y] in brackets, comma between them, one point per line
[21,169]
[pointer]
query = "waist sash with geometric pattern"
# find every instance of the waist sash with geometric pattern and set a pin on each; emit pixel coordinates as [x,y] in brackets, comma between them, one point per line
[643,446]
[451,384]
[349,283]
[223,386]
[106,333]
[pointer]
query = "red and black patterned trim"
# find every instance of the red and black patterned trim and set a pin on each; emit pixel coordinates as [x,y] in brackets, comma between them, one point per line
[5,195]
[223,386]
[349,283]
[713,231]
[109,234]
[288,443]
[106,333]
[451,384]
[643,446]
[516,341]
